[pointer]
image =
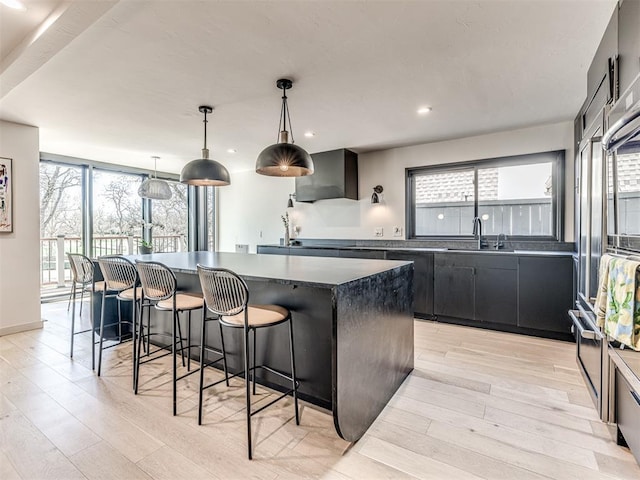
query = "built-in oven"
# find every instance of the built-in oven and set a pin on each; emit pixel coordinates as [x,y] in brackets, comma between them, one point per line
[592,356]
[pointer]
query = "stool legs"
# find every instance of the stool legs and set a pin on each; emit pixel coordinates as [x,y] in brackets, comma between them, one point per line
[293,372]
[73,316]
[104,301]
[248,389]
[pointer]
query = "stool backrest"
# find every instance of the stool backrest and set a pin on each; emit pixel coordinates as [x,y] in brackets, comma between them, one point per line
[119,273]
[225,293]
[81,268]
[158,282]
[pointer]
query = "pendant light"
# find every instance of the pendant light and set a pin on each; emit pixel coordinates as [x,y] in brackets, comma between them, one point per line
[154,188]
[284,159]
[204,171]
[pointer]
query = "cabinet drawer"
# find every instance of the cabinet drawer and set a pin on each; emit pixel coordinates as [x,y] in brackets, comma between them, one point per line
[314,252]
[376,254]
[628,414]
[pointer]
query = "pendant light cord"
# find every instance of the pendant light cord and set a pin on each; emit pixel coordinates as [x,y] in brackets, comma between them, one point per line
[205,129]
[284,115]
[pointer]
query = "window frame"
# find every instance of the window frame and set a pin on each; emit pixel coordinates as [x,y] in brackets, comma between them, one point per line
[556,157]
[87,168]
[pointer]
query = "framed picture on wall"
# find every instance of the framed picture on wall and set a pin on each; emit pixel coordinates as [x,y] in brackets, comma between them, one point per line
[6,204]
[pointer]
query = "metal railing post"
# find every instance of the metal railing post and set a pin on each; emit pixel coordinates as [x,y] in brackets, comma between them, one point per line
[130,244]
[60,260]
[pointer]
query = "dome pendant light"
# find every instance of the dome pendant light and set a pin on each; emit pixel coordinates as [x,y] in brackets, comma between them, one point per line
[153,188]
[204,171]
[284,159]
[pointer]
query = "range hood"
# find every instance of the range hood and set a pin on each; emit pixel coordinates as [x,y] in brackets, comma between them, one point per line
[335,176]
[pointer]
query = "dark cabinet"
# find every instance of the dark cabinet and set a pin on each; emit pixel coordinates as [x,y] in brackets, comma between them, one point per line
[545,293]
[599,76]
[422,280]
[481,287]
[273,250]
[496,295]
[375,254]
[313,252]
[628,43]
[454,291]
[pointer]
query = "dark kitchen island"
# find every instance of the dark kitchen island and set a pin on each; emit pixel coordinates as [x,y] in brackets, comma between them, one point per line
[352,321]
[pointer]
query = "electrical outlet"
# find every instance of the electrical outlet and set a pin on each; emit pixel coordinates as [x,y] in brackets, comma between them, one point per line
[397,231]
[377,232]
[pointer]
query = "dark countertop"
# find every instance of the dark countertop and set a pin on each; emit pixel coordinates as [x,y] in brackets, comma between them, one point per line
[310,271]
[484,251]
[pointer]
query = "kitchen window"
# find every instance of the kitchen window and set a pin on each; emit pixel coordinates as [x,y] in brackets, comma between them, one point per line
[518,196]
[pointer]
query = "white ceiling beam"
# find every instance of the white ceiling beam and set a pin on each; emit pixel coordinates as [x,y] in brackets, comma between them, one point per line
[65,23]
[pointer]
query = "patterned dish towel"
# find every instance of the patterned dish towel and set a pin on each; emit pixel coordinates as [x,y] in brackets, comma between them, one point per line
[622,317]
[603,287]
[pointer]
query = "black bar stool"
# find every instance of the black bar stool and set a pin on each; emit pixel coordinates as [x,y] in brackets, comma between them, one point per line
[121,280]
[227,296]
[159,288]
[82,270]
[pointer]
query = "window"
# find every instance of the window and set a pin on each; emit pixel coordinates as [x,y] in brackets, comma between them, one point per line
[117,213]
[170,220]
[628,193]
[60,222]
[94,208]
[518,196]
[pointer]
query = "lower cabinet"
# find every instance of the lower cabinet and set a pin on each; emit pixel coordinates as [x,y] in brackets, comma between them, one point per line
[628,413]
[454,289]
[519,293]
[496,295]
[422,280]
[476,287]
[545,293]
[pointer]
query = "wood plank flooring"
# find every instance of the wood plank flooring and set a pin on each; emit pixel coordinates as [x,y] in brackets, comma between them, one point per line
[479,405]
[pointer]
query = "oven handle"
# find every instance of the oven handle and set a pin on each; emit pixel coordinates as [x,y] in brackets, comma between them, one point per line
[577,324]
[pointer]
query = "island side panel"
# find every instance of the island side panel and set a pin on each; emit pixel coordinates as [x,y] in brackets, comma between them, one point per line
[312,314]
[373,347]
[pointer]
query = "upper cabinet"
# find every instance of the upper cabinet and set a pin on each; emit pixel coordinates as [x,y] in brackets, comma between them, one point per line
[601,74]
[628,43]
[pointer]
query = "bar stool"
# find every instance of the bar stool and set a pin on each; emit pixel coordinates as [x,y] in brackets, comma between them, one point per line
[227,296]
[82,270]
[159,288]
[121,280]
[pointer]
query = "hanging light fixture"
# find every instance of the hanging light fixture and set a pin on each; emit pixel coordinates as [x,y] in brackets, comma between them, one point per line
[284,159]
[153,188]
[204,171]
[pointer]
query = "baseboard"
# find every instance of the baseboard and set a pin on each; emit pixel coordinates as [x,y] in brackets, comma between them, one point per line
[20,328]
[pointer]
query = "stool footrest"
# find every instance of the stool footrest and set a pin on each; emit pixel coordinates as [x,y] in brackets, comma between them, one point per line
[285,394]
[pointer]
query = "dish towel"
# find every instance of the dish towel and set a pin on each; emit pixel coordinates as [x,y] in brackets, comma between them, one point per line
[622,317]
[603,286]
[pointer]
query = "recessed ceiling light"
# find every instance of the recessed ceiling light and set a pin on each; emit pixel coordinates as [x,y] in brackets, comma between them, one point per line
[309,134]
[424,110]
[15,4]
[231,150]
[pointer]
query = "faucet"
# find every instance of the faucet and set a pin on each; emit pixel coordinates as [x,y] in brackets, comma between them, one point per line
[477,230]
[500,241]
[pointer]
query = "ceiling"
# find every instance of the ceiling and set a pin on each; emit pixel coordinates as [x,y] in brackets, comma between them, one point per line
[120,81]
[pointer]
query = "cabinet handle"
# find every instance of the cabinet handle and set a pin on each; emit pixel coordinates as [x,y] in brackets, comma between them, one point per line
[635,396]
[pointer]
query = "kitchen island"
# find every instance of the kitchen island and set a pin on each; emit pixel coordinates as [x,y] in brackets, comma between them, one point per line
[352,321]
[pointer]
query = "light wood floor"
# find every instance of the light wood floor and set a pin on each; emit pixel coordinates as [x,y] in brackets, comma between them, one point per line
[479,404]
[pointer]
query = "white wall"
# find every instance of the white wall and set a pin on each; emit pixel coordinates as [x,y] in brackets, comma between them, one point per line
[19,258]
[249,210]
[254,203]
